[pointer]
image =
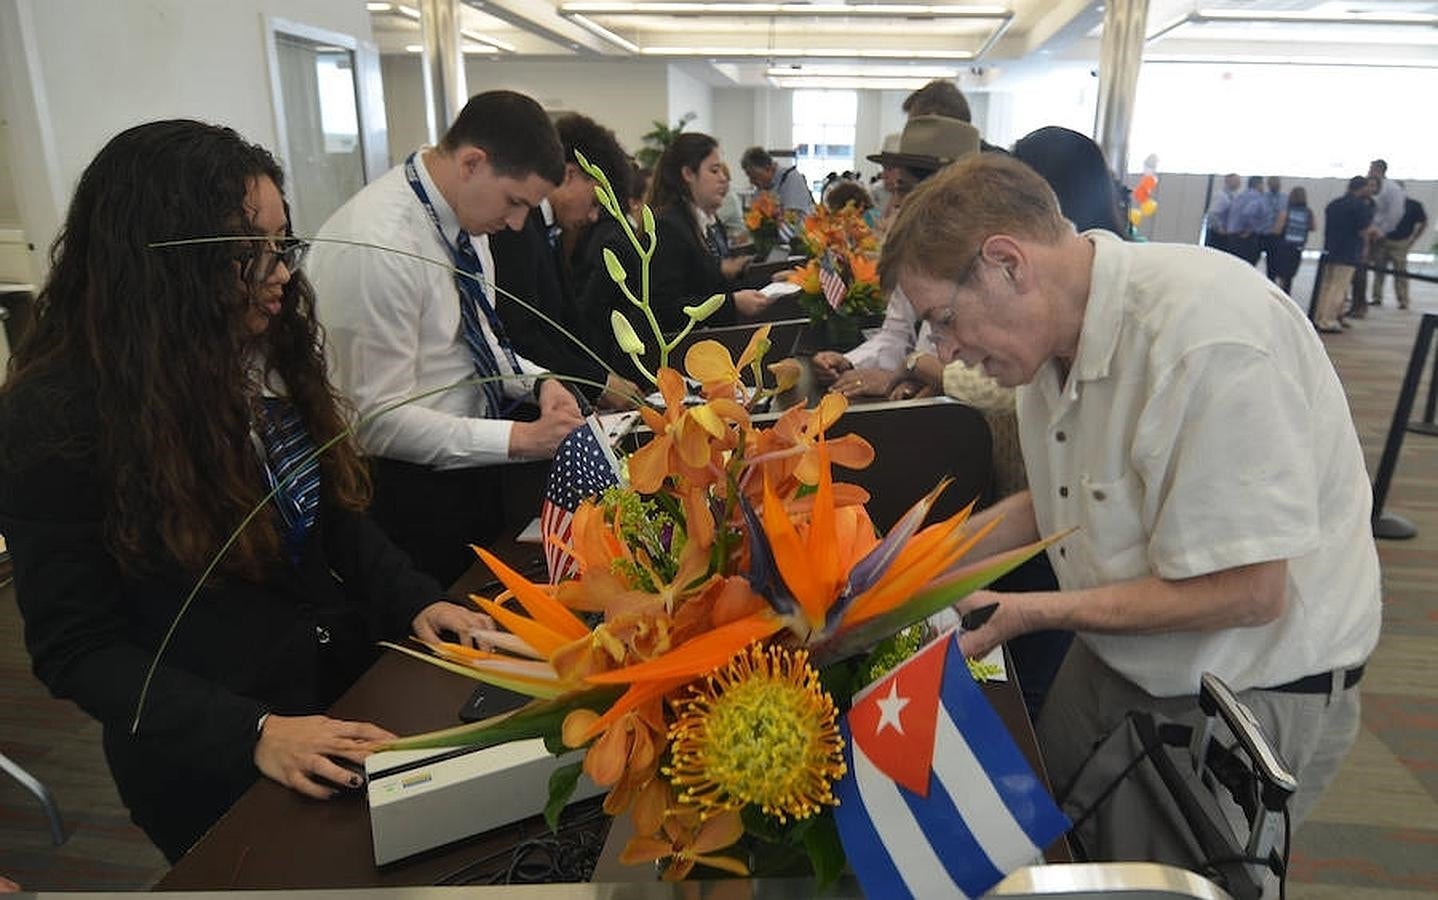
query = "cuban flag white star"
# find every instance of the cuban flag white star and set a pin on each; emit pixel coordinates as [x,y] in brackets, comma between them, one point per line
[889,709]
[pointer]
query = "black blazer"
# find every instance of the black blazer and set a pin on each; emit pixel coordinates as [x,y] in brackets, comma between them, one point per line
[526,266]
[288,644]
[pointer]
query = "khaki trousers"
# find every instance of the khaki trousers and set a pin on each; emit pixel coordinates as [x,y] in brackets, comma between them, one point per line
[1336,278]
[1394,255]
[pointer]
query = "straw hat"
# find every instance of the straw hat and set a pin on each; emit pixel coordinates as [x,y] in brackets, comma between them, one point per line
[930,142]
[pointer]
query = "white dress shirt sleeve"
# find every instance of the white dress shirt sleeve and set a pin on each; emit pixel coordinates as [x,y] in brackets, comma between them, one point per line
[893,342]
[379,311]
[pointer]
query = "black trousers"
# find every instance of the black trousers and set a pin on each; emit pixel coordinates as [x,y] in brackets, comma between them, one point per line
[435,515]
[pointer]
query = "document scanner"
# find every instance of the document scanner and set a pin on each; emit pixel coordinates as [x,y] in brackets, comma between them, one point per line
[420,799]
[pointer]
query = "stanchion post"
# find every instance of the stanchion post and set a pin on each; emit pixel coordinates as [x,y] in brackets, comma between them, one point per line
[1428,426]
[1390,526]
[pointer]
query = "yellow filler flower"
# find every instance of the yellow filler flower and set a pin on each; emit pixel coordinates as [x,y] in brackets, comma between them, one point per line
[761,730]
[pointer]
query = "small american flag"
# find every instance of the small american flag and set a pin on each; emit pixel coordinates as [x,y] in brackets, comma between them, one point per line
[583,467]
[829,279]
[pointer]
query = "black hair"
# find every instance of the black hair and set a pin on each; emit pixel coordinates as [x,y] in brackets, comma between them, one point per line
[513,131]
[1074,167]
[599,146]
[158,340]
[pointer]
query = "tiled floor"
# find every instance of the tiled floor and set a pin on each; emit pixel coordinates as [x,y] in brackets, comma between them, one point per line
[1375,833]
[1374,836]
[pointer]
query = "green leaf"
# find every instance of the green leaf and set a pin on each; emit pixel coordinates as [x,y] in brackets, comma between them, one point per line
[562,782]
[826,852]
[537,719]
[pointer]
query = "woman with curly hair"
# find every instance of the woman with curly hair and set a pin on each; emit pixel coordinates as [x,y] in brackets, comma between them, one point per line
[161,394]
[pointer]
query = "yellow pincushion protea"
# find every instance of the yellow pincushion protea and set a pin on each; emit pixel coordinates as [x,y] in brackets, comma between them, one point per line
[761,730]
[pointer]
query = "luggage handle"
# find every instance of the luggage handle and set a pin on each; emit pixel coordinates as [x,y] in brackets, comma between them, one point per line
[1215,698]
[1278,784]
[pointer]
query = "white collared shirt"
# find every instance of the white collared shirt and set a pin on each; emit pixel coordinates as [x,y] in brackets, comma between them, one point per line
[1202,427]
[392,327]
[896,338]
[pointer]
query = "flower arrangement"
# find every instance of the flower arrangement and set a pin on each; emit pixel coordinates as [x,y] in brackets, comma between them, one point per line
[841,231]
[728,601]
[840,284]
[770,226]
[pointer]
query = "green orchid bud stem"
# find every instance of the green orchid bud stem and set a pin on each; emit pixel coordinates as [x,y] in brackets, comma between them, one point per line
[625,334]
[706,309]
[615,267]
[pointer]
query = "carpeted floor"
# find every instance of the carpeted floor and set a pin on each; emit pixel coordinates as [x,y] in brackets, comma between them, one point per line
[1374,835]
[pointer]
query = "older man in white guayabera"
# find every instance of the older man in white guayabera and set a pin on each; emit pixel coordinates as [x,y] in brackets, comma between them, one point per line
[1178,411]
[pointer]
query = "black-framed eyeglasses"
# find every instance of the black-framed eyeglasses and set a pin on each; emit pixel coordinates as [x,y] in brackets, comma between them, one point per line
[257,265]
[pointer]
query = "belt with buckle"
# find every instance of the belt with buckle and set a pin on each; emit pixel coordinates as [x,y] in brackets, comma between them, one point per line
[1319,684]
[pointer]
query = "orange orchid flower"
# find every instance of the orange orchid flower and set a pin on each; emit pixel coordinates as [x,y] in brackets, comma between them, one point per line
[708,362]
[864,268]
[686,439]
[685,841]
[791,447]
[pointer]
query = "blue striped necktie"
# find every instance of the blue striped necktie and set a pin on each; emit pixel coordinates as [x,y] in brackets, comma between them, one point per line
[290,451]
[473,302]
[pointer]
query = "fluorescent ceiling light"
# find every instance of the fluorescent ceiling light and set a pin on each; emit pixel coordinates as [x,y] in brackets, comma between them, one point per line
[927,73]
[1367,63]
[668,7]
[807,52]
[1305,18]
[470,48]
[603,33]
[378,7]
[409,12]
[494,42]
[853,83]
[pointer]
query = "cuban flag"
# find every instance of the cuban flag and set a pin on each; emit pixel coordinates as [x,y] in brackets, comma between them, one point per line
[583,467]
[938,802]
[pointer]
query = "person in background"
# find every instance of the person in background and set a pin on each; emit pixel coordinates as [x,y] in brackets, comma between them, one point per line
[845,193]
[1216,219]
[407,325]
[1074,167]
[896,355]
[533,264]
[942,97]
[162,394]
[731,215]
[787,185]
[691,261]
[1345,222]
[1294,224]
[1393,250]
[884,189]
[1271,242]
[1388,207]
[1248,222]
[1177,411]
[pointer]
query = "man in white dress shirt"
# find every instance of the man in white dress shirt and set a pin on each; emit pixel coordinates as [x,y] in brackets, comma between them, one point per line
[1388,203]
[403,324]
[1178,411]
